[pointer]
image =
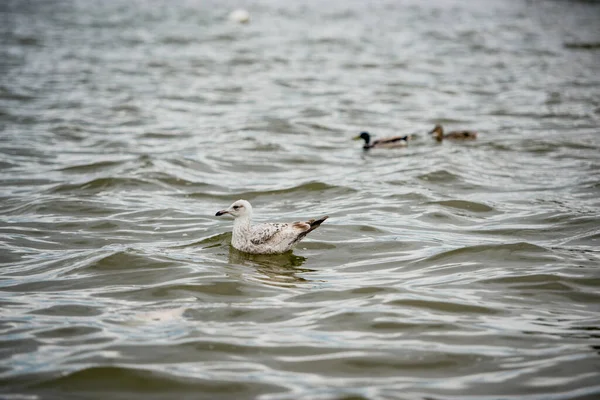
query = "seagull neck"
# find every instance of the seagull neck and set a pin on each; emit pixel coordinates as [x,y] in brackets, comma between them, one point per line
[242,224]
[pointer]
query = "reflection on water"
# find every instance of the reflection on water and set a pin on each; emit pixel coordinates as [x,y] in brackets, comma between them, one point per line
[278,269]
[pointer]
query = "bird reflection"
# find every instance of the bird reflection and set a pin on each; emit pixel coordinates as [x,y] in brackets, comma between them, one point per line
[278,270]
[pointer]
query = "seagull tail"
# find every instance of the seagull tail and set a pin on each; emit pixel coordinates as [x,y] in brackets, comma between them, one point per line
[315,223]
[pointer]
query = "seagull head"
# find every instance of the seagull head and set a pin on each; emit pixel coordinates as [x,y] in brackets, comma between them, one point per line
[364,136]
[240,208]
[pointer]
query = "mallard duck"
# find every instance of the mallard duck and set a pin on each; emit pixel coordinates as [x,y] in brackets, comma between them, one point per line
[389,142]
[438,134]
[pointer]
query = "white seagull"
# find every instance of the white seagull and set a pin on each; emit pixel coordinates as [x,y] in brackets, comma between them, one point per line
[267,238]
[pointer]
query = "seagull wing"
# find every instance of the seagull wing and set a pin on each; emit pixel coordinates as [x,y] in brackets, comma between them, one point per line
[278,238]
[272,234]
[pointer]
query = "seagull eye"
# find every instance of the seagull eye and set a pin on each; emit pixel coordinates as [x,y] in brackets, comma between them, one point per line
[236,207]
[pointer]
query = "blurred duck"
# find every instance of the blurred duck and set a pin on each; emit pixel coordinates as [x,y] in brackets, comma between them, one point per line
[439,135]
[385,143]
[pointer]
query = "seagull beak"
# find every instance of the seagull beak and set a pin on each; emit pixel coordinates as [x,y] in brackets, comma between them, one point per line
[219,213]
[356,138]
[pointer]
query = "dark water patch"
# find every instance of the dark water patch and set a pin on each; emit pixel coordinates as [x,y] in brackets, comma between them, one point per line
[267,147]
[67,332]
[91,167]
[68,310]
[440,176]
[286,193]
[12,347]
[446,218]
[127,260]
[4,165]
[52,207]
[69,132]
[102,184]
[327,296]
[541,285]
[582,45]
[465,205]
[532,279]
[348,363]
[152,384]
[12,93]
[590,237]
[439,306]
[209,242]
[223,289]
[518,252]
[176,181]
[399,326]
[240,314]
[178,40]
[165,135]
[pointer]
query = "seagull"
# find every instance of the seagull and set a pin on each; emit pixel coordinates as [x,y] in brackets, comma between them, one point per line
[267,238]
[438,134]
[389,142]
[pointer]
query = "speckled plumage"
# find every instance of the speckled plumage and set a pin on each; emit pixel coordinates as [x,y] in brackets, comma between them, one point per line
[266,238]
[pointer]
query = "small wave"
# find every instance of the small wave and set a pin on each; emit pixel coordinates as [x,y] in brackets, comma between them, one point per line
[315,186]
[68,310]
[178,40]
[537,282]
[101,184]
[519,251]
[89,167]
[443,306]
[133,380]
[9,93]
[465,205]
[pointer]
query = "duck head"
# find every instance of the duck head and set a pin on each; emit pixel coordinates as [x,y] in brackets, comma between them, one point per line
[364,136]
[437,132]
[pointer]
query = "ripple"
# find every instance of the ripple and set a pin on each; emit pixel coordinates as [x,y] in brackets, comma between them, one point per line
[439,176]
[282,194]
[68,310]
[93,166]
[447,307]
[108,379]
[465,205]
[508,252]
[101,184]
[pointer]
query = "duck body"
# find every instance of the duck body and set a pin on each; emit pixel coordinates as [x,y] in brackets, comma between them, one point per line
[439,135]
[384,143]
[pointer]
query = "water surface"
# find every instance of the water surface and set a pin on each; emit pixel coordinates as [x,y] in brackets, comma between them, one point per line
[445,271]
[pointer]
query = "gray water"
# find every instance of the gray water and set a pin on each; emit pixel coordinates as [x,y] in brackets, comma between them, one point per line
[445,271]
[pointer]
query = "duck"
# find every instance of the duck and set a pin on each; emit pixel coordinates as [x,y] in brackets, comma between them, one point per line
[388,142]
[439,135]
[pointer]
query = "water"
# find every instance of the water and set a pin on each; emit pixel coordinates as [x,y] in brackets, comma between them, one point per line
[445,271]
